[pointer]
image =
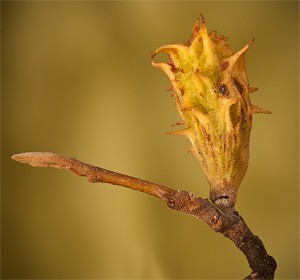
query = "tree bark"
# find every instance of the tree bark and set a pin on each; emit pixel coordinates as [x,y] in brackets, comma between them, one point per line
[226,221]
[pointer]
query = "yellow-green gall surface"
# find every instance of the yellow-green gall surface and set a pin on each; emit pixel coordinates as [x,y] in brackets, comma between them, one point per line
[211,91]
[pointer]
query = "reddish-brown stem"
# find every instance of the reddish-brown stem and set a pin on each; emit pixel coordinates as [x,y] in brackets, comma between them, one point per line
[228,221]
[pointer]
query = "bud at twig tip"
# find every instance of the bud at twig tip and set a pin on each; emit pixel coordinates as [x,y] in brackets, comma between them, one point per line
[211,91]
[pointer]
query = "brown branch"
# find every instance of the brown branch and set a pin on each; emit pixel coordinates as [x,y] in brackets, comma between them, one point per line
[228,221]
[94,174]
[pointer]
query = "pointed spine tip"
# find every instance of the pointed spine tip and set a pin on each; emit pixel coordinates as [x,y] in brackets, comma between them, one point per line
[182,132]
[251,42]
[169,89]
[196,26]
[257,110]
[177,124]
[252,89]
[152,54]
[202,18]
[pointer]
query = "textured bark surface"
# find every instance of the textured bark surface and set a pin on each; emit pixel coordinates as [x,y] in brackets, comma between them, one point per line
[226,221]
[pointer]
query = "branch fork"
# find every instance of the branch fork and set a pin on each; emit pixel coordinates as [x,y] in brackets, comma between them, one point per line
[226,221]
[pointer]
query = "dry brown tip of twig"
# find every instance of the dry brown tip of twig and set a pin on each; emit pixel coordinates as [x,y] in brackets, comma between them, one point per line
[45,159]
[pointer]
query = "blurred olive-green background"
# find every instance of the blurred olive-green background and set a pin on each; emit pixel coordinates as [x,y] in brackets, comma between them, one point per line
[77,80]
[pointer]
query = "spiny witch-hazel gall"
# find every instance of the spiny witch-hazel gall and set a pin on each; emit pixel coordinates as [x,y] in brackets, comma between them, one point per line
[211,91]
